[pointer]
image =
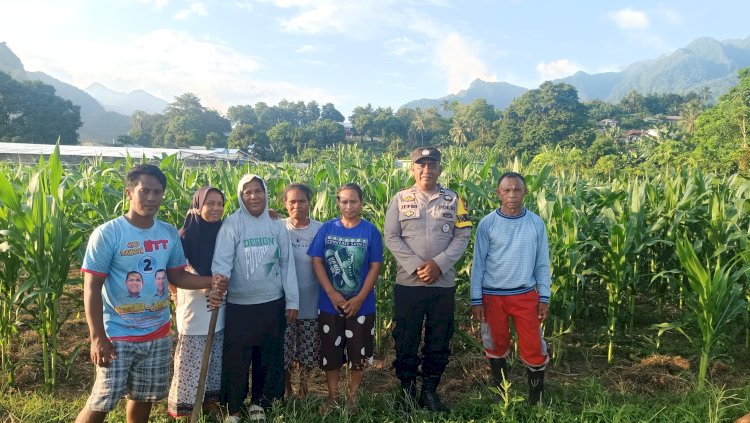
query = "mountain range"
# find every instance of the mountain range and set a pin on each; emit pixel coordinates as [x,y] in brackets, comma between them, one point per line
[705,62]
[126,103]
[105,113]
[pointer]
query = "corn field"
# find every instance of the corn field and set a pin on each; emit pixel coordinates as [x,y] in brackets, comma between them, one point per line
[671,244]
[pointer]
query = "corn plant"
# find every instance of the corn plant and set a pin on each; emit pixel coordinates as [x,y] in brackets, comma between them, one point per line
[620,230]
[568,251]
[677,204]
[715,299]
[45,244]
[10,269]
[626,236]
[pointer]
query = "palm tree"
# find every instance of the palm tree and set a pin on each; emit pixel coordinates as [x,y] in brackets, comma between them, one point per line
[458,132]
[419,124]
[689,115]
[137,120]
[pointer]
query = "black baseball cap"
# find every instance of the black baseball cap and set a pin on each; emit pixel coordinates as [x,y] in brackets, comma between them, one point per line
[425,153]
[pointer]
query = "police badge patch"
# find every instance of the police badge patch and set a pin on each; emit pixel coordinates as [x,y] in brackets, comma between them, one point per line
[446,228]
[409,213]
[408,198]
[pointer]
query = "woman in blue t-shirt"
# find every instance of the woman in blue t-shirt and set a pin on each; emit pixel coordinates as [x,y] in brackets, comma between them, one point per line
[347,254]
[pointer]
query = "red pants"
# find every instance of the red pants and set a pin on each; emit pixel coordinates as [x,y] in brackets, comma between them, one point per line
[524,309]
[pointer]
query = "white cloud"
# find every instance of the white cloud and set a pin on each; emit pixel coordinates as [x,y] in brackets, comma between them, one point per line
[158,4]
[308,48]
[459,62]
[167,63]
[197,9]
[356,19]
[557,69]
[403,46]
[319,17]
[41,13]
[629,19]
[608,68]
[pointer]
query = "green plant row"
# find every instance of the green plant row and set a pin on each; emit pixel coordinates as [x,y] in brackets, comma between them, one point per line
[613,243]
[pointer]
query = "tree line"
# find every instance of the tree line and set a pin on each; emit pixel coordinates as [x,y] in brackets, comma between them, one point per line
[31,112]
[546,125]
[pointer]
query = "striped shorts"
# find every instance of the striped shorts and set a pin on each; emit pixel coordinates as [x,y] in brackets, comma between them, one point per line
[141,371]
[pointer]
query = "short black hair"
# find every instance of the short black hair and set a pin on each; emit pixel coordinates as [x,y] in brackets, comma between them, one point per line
[511,175]
[299,187]
[352,186]
[133,272]
[145,169]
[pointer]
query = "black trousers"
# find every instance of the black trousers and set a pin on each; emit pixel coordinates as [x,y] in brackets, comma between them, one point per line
[253,335]
[415,306]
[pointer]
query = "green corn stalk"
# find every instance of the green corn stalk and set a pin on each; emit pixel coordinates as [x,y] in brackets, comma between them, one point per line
[593,225]
[10,269]
[715,299]
[677,204]
[46,245]
[567,254]
[626,236]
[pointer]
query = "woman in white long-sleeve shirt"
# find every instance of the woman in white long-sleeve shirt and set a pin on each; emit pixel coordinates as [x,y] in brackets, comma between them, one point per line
[198,237]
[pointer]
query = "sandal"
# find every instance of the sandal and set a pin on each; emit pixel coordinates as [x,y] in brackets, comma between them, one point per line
[256,413]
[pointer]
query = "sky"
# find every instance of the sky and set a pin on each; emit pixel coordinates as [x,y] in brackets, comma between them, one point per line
[347,52]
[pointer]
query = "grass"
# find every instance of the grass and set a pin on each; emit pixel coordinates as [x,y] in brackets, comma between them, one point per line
[659,387]
[586,400]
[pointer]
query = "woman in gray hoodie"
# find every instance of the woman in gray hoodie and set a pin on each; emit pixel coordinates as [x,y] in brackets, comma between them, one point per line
[254,252]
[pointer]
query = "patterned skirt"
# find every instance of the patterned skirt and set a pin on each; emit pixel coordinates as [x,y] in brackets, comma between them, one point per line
[187,365]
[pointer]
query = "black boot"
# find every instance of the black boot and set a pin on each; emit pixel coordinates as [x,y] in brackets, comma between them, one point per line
[499,371]
[499,374]
[429,398]
[536,384]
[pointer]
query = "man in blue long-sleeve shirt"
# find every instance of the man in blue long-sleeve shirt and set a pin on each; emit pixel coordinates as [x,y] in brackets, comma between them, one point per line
[510,277]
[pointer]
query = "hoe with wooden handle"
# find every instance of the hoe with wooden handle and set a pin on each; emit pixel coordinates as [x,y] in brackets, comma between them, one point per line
[200,392]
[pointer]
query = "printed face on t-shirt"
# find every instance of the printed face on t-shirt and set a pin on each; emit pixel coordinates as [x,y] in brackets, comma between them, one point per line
[159,279]
[134,283]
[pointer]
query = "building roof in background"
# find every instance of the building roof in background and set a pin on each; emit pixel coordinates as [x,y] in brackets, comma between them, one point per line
[20,149]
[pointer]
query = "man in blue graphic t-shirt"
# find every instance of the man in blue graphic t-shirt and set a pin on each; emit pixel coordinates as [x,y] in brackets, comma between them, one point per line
[129,328]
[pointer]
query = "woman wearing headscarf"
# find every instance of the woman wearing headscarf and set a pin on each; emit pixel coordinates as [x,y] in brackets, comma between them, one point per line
[254,252]
[192,314]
